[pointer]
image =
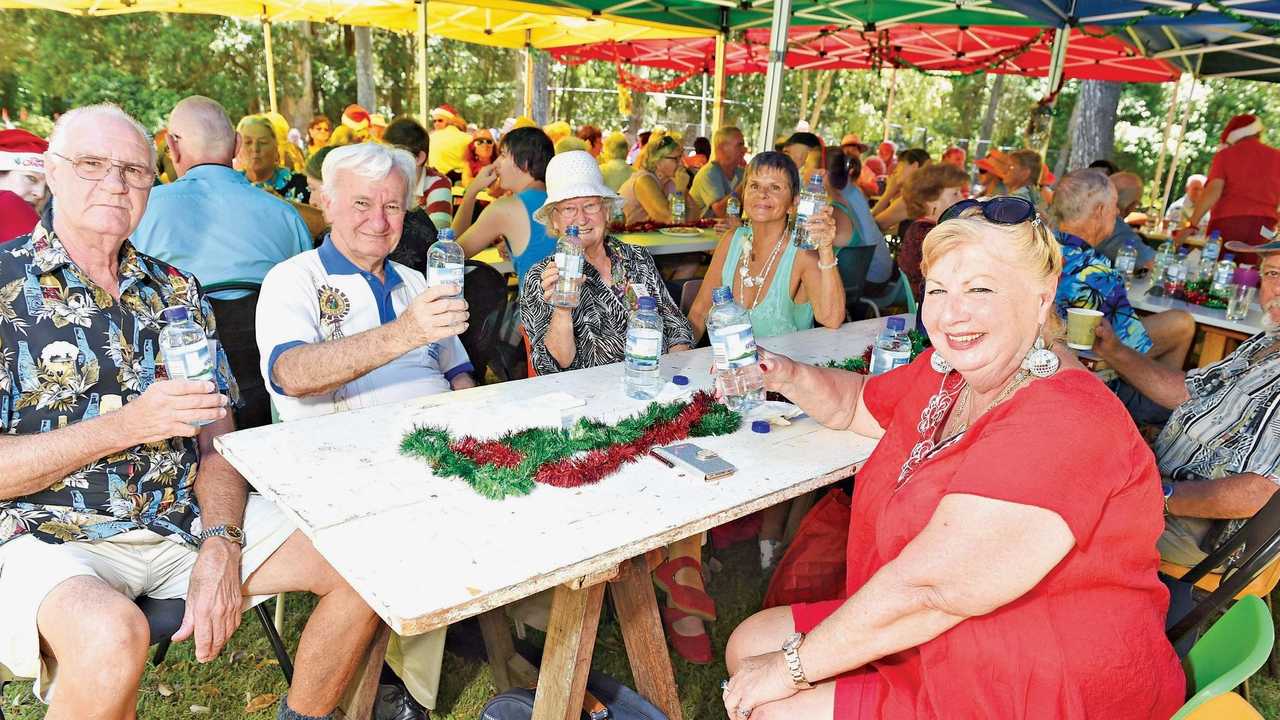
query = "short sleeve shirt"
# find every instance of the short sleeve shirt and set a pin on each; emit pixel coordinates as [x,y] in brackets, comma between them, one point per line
[710,185]
[1088,281]
[69,353]
[288,185]
[320,296]
[1250,172]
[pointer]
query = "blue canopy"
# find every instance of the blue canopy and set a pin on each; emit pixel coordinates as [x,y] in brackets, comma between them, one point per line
[1147,12]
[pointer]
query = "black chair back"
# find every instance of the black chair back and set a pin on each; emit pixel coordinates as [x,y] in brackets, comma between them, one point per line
[1245,555]
[485,290]
[853,264]
[237,332]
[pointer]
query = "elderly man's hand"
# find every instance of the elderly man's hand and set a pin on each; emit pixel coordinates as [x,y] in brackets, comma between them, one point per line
[1105,342]
[435,315]
[214,601]
[171,408]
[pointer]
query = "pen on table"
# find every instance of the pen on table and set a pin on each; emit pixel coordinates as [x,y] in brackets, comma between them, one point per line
[661,459]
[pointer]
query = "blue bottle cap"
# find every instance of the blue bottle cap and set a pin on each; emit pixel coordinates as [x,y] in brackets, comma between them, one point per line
[896,323]
[647,302]
[680,380]
[760,426]
[1229,256]
[444,234]
[177,313]
[722,294]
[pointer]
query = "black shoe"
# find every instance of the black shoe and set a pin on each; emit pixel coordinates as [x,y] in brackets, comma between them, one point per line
[395,703]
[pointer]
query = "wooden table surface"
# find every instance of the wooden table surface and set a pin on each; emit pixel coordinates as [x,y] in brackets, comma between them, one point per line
[656,243]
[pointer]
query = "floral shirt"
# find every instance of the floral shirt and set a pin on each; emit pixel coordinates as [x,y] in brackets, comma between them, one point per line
[1088,281]
[600,320]
[287,184]
[69,352]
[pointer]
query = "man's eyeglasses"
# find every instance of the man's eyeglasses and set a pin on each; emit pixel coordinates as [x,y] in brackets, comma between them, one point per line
[593,207]
[92,167]
[1003,210]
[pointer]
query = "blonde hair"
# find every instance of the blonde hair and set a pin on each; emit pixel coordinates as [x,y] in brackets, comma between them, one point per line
[1028,246]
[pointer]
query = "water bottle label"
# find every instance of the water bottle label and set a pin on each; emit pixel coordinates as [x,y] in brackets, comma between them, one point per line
[1125,265]
[189,362]
[450,274]
[734,346]
[569,265]
[806,207]
[644,345]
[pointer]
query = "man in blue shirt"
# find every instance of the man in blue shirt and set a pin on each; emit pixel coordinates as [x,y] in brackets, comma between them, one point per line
[214,224]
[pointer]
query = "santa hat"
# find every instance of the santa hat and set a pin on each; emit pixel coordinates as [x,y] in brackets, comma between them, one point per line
[446,112]
[1239,128]
[21,150]
[355,117]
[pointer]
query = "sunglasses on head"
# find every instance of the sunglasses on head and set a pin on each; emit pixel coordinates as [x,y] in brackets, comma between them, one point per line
[1003,210]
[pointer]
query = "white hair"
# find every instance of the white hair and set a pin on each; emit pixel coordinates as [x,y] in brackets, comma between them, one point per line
[371,161]
[1078,193]
[58,138]
[1192,178]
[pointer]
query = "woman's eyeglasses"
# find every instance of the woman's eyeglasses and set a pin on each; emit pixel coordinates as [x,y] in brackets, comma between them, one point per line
[483,141]
[1003,210]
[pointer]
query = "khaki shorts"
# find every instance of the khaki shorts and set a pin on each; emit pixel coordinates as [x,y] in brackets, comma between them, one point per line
[135,563]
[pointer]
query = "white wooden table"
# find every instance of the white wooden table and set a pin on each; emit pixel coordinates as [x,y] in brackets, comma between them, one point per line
[656,243]
[425,551]
[1219,332]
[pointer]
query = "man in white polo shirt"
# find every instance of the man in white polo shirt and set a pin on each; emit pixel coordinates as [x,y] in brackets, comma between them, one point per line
[341,328]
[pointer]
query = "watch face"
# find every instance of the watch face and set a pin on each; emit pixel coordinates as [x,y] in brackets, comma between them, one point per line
[235,533]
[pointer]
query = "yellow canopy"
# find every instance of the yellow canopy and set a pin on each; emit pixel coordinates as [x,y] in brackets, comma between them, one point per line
[499,23]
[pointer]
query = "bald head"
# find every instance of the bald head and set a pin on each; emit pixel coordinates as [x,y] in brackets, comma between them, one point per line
[1128,190]
[200,133]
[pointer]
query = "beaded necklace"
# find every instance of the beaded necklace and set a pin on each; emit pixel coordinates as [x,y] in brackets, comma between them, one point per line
[757,281]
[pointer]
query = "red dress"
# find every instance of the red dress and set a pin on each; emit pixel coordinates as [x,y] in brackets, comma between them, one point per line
[1088,640]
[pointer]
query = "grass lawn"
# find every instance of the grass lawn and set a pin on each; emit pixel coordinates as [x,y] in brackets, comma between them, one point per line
[246,670]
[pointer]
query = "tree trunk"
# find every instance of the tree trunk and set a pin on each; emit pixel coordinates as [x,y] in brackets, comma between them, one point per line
[824,90]
[635,122]
[989,118]
[1093,123]
[302,107]
[365,94]
[541,87]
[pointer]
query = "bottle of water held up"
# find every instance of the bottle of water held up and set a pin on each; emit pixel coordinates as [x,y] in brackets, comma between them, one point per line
[1223,275]
[185,348]
[569,261]
[733,207]
[641,379]
[892,347]
[676,203]
[812,201]
[733,343]
[445,262]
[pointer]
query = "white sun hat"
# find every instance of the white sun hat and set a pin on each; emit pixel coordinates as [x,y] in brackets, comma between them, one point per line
[570,175]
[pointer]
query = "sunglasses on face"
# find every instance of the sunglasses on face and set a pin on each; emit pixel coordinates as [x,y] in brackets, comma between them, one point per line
[1004,210]
[483,141]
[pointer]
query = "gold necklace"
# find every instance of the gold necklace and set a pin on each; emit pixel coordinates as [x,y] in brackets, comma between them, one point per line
[962,409]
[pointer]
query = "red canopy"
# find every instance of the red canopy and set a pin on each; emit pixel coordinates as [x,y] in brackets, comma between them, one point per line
[1012,50]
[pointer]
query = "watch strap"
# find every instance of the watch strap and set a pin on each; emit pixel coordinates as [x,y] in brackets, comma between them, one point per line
[791,653]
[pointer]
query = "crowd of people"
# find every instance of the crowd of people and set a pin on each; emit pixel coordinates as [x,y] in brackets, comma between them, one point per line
[976,542]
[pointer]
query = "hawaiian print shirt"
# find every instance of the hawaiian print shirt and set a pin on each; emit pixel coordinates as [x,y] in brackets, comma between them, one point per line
[1088,281]
[70,352]
[288,185]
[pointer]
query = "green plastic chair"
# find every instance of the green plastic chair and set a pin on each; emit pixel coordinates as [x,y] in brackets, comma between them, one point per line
[1233,649]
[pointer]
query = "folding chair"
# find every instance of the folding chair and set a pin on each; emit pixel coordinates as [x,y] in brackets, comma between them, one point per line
[1233,649]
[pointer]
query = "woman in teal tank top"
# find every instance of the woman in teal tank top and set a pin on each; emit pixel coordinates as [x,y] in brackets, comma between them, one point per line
[784,287]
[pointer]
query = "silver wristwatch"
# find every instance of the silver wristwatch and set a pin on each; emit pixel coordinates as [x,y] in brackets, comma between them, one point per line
[230,532]
[791,652]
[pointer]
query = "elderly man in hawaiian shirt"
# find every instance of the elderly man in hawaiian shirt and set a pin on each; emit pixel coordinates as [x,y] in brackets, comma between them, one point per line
[1219,453]
[110,490]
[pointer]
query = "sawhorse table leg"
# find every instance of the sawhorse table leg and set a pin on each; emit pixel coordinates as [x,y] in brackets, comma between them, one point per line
[571,638]
[637,607]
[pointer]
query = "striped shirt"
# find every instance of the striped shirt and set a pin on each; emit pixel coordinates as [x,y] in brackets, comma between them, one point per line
[435,195]
[1231,423]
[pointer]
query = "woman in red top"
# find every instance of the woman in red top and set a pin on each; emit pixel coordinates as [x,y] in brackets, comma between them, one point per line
[1002,559]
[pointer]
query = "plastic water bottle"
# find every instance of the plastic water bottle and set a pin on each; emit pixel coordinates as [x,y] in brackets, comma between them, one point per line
[445,262]
[812,200]
[641,379]
[733,208]
[892,347]
[1175,277]
[1164,258]
[1192,264]
[733,342]
[1223,275]
[1127,260]
[185,348]
[569,259]
[676,203]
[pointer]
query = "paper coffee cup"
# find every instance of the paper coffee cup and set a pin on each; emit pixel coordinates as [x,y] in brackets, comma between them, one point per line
[1081,326]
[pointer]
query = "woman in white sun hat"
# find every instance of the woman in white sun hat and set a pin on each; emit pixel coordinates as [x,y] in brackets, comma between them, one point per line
[595,332]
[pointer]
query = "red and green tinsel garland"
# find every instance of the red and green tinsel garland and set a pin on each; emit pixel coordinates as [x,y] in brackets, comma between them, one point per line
[581,455]
[1200,293]
[862,363]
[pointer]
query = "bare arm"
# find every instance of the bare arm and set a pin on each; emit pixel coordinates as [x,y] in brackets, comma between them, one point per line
[1233,496]
[491,227]
[220,490]
[1163,385]
[652,199]
[824,288]
[466,209]
[462,381]
[702,304]
[1212,192]
[832,397]
[891,216]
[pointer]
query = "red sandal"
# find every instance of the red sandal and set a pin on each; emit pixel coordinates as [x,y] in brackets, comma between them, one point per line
[689,599]
[694,648]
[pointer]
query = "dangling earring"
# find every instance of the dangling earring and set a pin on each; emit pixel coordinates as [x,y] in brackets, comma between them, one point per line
[1041,361]
[939,363]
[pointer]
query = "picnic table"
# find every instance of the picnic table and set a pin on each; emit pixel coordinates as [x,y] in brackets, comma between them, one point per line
[657,243]
[425,551]
[1220,334]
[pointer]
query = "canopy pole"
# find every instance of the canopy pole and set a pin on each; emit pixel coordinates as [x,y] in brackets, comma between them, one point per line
[1182,132]
[773,77]
[702,118]
[1058,58]
[717,112]
[271,62]
[1164,138]
[528,73]
[888,105]
[422,61]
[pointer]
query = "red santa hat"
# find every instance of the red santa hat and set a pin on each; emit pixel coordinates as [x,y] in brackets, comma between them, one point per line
[1239,128]
[447,112]
[355,117]
[21,150]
